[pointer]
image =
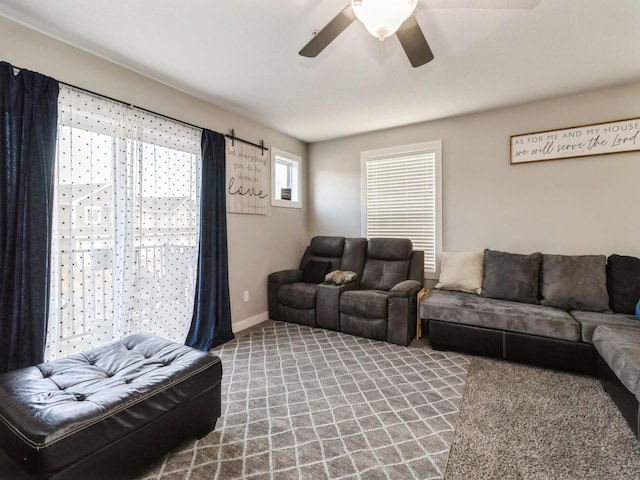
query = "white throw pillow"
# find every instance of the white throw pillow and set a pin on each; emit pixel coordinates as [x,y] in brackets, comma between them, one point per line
[461,271]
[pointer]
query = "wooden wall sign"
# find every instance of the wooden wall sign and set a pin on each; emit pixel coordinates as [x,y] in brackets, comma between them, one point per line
[247,179]
[598,139]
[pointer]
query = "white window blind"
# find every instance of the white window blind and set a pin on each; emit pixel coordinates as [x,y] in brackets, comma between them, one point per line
[401,196]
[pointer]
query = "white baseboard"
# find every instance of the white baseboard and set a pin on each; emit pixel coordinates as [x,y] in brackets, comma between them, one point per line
[249,322]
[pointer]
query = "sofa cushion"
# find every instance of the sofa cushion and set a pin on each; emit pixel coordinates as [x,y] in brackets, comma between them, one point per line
[383,274]
[462,271]
[324,249]
[510,276]
[387,263]
[364,303]
[470,309]
[576,282]
[298,295]
[314,272]
[623,283]
[389,248]
[590,320]
[619,347]
[329,247]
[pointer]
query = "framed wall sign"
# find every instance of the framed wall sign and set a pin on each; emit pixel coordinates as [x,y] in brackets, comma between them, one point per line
[247,179]
[586,140]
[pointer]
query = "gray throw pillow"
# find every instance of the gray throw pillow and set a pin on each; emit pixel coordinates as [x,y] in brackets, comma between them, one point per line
[511,276]
[574,282]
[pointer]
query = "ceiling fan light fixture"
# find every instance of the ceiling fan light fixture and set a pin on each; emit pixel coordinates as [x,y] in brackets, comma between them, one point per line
[382,18]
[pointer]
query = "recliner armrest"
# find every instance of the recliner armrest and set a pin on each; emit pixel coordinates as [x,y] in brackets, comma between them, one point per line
[328,304]
[284,277]
[338,289]
[275,281]
[403,312]
[405,289]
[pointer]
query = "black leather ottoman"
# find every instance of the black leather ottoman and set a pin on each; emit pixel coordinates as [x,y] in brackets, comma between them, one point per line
[107,412]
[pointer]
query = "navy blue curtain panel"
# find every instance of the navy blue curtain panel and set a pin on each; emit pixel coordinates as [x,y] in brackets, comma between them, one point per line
[28,125]
[211,324]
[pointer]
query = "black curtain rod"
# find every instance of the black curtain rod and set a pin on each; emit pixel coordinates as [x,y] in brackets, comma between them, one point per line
[232,136]
[118,101]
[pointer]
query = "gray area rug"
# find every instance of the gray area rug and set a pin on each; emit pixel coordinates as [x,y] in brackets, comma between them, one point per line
[522,422]
[310,403]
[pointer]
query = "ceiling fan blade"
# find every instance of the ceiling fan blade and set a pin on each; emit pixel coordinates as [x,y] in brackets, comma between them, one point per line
[413,41]
[325,36]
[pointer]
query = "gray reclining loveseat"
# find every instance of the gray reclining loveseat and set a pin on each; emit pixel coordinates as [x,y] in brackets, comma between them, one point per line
[381,301]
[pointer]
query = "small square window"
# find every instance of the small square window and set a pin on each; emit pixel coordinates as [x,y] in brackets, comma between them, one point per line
[285,182]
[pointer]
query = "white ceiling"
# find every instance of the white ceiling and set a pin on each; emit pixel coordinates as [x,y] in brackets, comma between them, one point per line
[242,55]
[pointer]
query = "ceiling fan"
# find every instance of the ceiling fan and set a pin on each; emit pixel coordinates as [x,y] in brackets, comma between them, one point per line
[382,18]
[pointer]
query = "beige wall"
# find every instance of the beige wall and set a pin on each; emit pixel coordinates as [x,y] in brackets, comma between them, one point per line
[258,244]
[584,205]
[579,206]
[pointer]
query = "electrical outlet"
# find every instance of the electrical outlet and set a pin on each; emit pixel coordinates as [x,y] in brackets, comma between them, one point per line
[246,295]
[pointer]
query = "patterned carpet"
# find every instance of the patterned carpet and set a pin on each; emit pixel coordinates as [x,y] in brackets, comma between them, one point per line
[311,403]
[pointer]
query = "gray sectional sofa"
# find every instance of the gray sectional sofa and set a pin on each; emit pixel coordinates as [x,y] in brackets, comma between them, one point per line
[574,313]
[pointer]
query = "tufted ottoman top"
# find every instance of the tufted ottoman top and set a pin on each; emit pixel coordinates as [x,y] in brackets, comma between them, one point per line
[58,412]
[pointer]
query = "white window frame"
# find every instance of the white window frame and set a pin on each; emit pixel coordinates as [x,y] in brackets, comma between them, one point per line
[295,161]
[432,261]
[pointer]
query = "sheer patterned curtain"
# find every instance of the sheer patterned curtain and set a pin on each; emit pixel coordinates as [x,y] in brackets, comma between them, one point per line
[126,224]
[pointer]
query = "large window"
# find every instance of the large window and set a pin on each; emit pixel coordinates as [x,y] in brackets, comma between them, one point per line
[401,197]
[125,226]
